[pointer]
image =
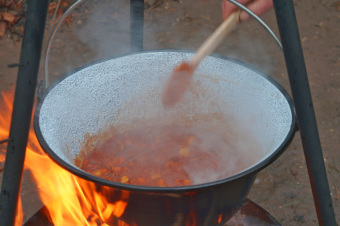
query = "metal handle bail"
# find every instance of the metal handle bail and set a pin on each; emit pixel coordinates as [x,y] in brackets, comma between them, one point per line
[252,14]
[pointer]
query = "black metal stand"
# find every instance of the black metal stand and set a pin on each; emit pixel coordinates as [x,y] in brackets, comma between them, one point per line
[297,72]
[136,25]
[22,109]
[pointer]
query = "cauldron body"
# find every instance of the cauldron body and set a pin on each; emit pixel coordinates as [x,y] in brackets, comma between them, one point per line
[118,90]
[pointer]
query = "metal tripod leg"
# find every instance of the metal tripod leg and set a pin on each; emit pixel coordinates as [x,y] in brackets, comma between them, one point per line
[298,79]
[22,109]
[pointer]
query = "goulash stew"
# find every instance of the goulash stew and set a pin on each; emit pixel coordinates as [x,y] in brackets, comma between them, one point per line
[164,156]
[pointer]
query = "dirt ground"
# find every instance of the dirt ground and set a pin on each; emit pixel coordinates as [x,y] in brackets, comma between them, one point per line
[283,188]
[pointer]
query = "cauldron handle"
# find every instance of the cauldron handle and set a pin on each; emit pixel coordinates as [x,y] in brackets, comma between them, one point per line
[136,27]
[258,20]
[43,85]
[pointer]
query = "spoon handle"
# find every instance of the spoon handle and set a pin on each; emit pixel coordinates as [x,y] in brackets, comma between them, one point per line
[215,39]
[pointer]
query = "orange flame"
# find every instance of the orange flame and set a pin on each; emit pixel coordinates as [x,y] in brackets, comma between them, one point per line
[191,220]
[5,116]
[68,199]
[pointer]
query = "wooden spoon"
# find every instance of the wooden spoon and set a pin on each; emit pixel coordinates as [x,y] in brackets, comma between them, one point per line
[180,78]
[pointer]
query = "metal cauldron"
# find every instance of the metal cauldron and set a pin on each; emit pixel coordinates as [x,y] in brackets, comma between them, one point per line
[91,97]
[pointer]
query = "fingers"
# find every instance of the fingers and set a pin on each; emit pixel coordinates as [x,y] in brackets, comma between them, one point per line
[228,7]
[257,6]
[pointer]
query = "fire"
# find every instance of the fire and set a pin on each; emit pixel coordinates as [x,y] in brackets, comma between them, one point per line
[68,199]
[5,116]
[191,220]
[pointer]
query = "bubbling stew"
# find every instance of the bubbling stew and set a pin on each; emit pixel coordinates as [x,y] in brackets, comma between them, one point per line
[166,155]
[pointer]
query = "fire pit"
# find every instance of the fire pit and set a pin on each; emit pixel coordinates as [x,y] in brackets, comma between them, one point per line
[121,89]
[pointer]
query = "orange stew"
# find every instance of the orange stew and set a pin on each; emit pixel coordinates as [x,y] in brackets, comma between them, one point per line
[168,156]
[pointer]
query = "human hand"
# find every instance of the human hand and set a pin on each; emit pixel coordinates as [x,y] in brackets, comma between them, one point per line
[257,6]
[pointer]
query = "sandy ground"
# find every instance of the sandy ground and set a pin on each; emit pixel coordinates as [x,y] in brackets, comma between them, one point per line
[283,188]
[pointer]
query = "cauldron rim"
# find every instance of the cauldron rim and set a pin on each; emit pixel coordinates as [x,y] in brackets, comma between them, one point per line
[250,172]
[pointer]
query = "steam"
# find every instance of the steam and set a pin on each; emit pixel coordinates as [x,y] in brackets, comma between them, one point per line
[209,143]
[94,31]
[201,152]
[99,30]
[225,146]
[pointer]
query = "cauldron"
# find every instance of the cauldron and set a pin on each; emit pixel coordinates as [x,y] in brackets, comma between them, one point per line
[118,90]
